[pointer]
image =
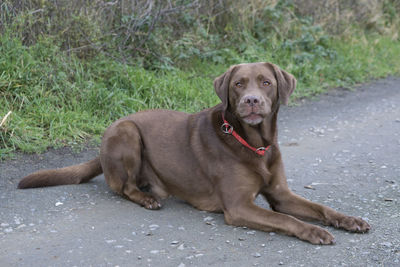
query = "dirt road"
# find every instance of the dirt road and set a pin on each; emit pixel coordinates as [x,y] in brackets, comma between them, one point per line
[342,150]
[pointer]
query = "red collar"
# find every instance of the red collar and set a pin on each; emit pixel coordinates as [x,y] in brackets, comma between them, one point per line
[228,129]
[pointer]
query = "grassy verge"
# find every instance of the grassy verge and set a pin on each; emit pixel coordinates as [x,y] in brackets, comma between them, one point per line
[58,98]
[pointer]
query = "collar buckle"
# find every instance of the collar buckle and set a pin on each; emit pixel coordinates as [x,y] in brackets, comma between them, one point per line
[227,128]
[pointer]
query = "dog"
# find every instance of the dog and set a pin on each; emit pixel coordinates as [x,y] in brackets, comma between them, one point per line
[218,160]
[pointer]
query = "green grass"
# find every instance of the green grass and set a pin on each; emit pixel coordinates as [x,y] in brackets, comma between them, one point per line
[357,60]
[58,100]
[61,100]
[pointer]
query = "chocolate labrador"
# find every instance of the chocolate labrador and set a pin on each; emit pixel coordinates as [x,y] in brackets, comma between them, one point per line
[217,160]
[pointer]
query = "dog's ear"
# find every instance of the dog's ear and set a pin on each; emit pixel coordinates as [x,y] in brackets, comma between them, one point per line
[221,86]
[286,83]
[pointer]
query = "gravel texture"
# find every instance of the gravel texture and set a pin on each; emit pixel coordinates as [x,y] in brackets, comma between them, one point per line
[342,150]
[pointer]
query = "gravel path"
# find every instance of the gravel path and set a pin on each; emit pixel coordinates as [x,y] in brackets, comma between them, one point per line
[342,150]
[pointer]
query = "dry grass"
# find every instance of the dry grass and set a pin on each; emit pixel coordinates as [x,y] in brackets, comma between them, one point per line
[82,25]
[338,16]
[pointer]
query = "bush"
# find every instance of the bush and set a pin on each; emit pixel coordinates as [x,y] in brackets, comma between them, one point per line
[161,34]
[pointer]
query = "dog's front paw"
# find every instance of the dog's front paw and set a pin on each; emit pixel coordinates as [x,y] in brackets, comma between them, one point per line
[316,235]
[149,202]
[352,224]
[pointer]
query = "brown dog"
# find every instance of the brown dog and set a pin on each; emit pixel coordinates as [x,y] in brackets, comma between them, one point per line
[217,160]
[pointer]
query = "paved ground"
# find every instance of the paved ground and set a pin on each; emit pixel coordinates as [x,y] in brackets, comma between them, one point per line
[344,147]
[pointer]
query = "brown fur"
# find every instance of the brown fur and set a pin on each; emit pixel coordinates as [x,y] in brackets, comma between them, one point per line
[187,155]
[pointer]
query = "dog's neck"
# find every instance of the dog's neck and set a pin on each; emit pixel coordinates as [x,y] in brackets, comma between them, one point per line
[260,135]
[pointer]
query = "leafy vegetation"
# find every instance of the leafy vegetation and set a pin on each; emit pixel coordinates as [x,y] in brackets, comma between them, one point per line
[68,70]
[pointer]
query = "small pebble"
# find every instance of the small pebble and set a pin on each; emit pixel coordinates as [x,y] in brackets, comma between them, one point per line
[386,244]
[21,226]
[153,227]
[209,218]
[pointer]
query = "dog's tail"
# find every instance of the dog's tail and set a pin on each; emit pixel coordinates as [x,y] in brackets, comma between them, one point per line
[75,174]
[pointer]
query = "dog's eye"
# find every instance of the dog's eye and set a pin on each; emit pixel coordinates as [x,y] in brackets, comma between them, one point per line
[266,83]
[238,84]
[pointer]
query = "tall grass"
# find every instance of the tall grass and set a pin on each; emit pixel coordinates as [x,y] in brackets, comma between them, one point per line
[65,81]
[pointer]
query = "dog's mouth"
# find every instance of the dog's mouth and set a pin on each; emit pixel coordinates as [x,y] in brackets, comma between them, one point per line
[253,118]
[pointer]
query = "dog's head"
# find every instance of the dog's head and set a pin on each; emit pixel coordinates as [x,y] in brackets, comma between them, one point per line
[251,90]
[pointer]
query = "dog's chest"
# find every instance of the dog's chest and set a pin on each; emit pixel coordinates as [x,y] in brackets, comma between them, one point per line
[262,172]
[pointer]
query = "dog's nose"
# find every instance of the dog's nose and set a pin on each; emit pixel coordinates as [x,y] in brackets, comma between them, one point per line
[251,100]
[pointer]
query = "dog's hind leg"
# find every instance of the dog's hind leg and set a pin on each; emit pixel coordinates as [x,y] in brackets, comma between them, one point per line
[121,161]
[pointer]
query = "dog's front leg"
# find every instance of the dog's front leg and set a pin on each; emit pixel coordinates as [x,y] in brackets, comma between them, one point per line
[281,199]
[290,203]
[252,216]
